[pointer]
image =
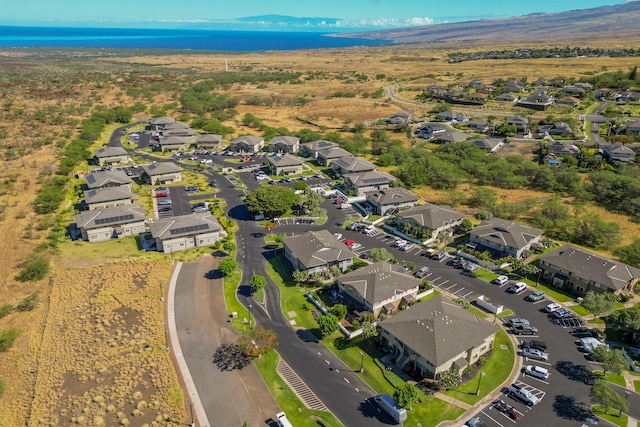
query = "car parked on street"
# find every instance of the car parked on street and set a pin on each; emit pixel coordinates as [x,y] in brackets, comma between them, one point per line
[536,296]
[535,354]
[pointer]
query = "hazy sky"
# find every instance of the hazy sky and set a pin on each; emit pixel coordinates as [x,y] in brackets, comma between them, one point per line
[350,13]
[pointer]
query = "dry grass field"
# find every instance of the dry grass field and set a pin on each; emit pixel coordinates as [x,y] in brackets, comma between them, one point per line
[92,352]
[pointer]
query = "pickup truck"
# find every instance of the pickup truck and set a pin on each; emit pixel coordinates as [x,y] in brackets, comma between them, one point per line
[523,395]
[525,330]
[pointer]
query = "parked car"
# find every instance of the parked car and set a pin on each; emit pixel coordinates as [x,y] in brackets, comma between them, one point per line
[501,280]
[355,246]
[583,332]
[420,274]
[349,243]
[554,306]
[563,313]
[517,321]
[192,188]
[525,330]
[430,252]
[439,255]
[470,267]
[517,288]
[537,372]
[406,247]
[540,345]
[164,202]
[369,229]
[454,261]
[337,235]
[536,296]
[164,209]
[523,395]
[352,225]
[399,243]
[475,422]
[534,353]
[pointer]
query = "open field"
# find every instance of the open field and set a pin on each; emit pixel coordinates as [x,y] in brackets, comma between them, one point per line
[98,324]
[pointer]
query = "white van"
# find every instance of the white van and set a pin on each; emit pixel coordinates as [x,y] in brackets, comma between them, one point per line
[282,420]
[388,405]
[537,371]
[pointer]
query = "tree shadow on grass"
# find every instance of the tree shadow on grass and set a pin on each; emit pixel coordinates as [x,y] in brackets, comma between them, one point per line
[229,357]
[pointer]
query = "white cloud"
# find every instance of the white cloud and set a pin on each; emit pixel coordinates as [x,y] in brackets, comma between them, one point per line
[385,22]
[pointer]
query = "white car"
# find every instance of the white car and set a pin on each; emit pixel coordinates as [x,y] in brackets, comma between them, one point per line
[370,229]
[399,243]
[537,372]
[355,246]
[337,236]
[501,280]
[406,247]
[206,161]
[554,306]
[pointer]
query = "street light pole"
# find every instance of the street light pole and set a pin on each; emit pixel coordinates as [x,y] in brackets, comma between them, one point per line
[361,362]
[626,398]
[482,374]
[193,423]
[250,320]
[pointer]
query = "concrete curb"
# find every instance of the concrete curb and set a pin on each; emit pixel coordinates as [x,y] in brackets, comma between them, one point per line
[177,351]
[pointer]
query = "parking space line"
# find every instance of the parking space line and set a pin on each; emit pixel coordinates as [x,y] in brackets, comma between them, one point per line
[467,294]
[443,283]
[538,302]
[492,419]
[451,287]
[459,290]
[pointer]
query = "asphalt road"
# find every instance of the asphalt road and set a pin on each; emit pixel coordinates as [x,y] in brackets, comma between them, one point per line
[341,390]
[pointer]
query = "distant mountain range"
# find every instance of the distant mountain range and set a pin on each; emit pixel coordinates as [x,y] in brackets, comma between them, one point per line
[621,19]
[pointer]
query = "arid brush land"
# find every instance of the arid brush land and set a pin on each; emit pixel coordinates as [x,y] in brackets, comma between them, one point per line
[89,336]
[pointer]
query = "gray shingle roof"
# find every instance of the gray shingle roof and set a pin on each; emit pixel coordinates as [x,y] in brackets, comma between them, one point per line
[334,153]
[286,160]
[432,216]
[209,137]
[366,179]
[379,281]
[186,225]
[110,217]
[160,168]
[248,140]
[391,195]
[316,248]
[438,329]
[506,233]
[109,194]
[162,120]
[99,179]
[487,143]
[318,145]
[172,140]
[590,266]
[110,152]
[354,164]
[287,140]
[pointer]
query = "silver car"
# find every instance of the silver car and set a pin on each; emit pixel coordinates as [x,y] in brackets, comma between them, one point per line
[535,354]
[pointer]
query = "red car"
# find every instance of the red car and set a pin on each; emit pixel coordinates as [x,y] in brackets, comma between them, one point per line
[349,243]
[162,194]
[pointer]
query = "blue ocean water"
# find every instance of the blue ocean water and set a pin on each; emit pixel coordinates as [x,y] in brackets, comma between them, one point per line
[170,39]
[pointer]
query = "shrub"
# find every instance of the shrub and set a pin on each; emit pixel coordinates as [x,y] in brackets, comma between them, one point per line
[3,387]
[30,302]
[8,337]
[35,269]
[5,310]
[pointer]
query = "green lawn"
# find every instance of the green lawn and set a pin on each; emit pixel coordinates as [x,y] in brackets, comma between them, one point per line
[432,413]
[636,386]
[497,370]
[233,305]
[506,313]
[296,412]
[555,293]
[485,275]
[611,415]
[612,378]
[291,295]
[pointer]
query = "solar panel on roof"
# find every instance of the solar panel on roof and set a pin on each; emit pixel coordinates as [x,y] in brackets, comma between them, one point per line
[112,219]
[189,229]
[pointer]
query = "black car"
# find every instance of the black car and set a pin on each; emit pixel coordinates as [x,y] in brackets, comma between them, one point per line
[539,345]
